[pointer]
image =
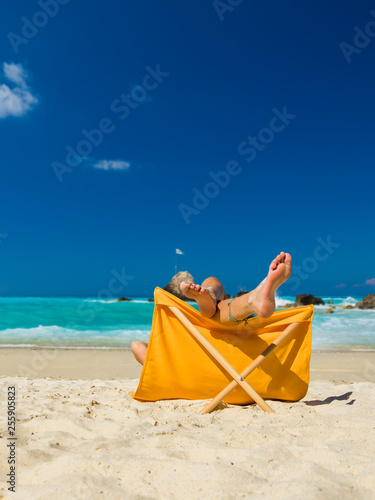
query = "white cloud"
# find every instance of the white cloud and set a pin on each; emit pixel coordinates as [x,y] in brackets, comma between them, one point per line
[111,165]
[15,73]
[18,100]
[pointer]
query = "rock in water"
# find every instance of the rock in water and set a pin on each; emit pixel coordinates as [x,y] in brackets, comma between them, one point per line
[123,299]
[330,310]
[173,286]
[303,299]
[367,303]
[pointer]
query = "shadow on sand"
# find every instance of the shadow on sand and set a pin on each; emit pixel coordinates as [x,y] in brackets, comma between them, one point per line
[327,401]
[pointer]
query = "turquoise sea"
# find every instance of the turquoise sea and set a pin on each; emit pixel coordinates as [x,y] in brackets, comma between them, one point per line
[92,323]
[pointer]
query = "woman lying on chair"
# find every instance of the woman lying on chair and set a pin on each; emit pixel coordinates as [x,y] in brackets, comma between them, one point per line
[210,297]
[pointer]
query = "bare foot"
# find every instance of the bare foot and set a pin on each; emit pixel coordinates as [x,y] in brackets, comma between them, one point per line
[263,298]
[203,296]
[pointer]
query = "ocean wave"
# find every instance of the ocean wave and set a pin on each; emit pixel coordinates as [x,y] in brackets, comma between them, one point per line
[280,302]
[116,301]
[344,328]
[342,301]
[349,301]
[61,336]
[116,326]
[100,301]
[62,347]
[336,301]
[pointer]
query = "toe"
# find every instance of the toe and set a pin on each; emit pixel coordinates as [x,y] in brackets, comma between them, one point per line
[273,265]
[288,259]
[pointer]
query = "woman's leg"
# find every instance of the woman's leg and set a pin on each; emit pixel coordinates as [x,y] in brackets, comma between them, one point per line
[139,350]
[260,301]
[206,295]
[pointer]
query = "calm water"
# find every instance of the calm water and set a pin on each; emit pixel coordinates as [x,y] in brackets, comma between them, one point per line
[77,322]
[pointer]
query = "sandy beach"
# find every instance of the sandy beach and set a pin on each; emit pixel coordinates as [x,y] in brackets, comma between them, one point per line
[81,435]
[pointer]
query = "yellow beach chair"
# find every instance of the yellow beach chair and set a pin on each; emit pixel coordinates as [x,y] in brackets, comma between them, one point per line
[191,357]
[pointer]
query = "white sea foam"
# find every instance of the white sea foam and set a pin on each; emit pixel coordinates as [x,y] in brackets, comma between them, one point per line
[58,335]
[101,301]
[344,328]
[68,347]
[280,302]
[116,326]
[134,301]
[349,301]
[321,307]
[342,301]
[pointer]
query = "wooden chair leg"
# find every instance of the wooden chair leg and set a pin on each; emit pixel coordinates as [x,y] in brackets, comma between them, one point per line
[257,361]
[238,379]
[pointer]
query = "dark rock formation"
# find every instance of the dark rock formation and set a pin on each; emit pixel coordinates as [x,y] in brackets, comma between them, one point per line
[242,292]
[151,300]
[367,303]
[285,306]
[330,302]
[173,286]
[349,307]
[303,299]
[123,299]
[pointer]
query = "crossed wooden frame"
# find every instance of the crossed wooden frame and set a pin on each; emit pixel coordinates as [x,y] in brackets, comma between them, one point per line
[238,378]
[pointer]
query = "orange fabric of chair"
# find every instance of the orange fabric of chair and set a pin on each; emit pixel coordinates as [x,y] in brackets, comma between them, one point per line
[177,367]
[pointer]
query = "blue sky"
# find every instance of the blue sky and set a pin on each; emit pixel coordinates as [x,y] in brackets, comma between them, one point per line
[171,95]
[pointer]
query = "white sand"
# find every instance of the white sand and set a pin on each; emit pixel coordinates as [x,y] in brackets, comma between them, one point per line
[89,439]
